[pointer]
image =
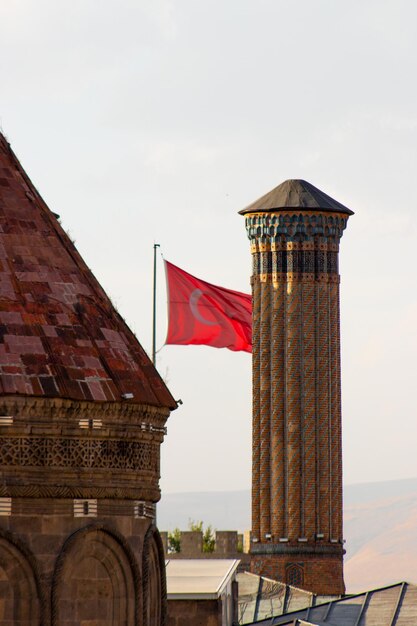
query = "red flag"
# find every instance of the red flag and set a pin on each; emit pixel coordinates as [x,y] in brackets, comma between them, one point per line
[204,314]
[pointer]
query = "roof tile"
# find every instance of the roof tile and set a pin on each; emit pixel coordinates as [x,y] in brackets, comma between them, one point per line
[60,336]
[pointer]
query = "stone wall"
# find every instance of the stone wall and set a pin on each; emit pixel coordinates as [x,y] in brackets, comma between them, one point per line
[229,544]
[78,544]
[57,569]
[194,613]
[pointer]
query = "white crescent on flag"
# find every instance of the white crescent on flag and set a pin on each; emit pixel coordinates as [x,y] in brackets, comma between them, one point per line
[193,301]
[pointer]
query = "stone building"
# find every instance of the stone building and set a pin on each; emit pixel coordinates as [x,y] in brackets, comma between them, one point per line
[82,417]
[294,232]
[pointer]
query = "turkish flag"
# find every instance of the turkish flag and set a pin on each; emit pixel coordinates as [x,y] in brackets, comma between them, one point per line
[204,314]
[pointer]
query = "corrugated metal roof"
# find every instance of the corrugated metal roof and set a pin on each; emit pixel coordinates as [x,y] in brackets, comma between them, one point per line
[60,335]
[196,579]
[395,605]
[261,598]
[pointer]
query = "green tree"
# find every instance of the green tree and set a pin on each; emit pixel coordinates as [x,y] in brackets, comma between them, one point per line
[209,541]
[174,540]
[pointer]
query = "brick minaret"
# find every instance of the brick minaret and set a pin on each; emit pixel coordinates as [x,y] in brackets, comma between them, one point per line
[294,232]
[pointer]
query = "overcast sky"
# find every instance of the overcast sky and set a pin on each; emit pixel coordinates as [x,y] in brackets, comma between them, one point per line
[157,120]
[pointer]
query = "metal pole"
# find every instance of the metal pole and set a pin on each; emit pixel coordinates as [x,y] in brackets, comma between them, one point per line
[155,246]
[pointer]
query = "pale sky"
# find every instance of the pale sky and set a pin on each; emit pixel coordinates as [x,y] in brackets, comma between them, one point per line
[157,120]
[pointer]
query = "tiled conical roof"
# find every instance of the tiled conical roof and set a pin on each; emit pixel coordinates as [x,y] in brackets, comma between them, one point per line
[60,336]
[296,194]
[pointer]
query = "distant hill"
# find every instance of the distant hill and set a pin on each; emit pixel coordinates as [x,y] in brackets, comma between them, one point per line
[380,522]
[381,536]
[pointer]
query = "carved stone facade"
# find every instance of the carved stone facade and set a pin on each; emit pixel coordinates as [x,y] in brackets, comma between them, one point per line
[78,544]
[297,534]
[80,450]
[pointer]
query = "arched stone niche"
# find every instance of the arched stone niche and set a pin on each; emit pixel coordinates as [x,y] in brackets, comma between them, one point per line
[95,582]
[19,591]
[154,580]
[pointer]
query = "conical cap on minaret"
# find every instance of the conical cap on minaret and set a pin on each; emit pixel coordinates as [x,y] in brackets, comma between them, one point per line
[61,337]
[296,194]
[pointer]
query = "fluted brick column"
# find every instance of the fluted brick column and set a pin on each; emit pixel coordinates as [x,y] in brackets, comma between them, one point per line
[256,426]
[278,468]
[297,456]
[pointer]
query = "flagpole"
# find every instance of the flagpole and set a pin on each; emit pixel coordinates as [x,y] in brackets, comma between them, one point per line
[155,246]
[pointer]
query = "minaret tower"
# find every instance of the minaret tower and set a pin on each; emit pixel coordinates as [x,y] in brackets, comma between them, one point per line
[294,232]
